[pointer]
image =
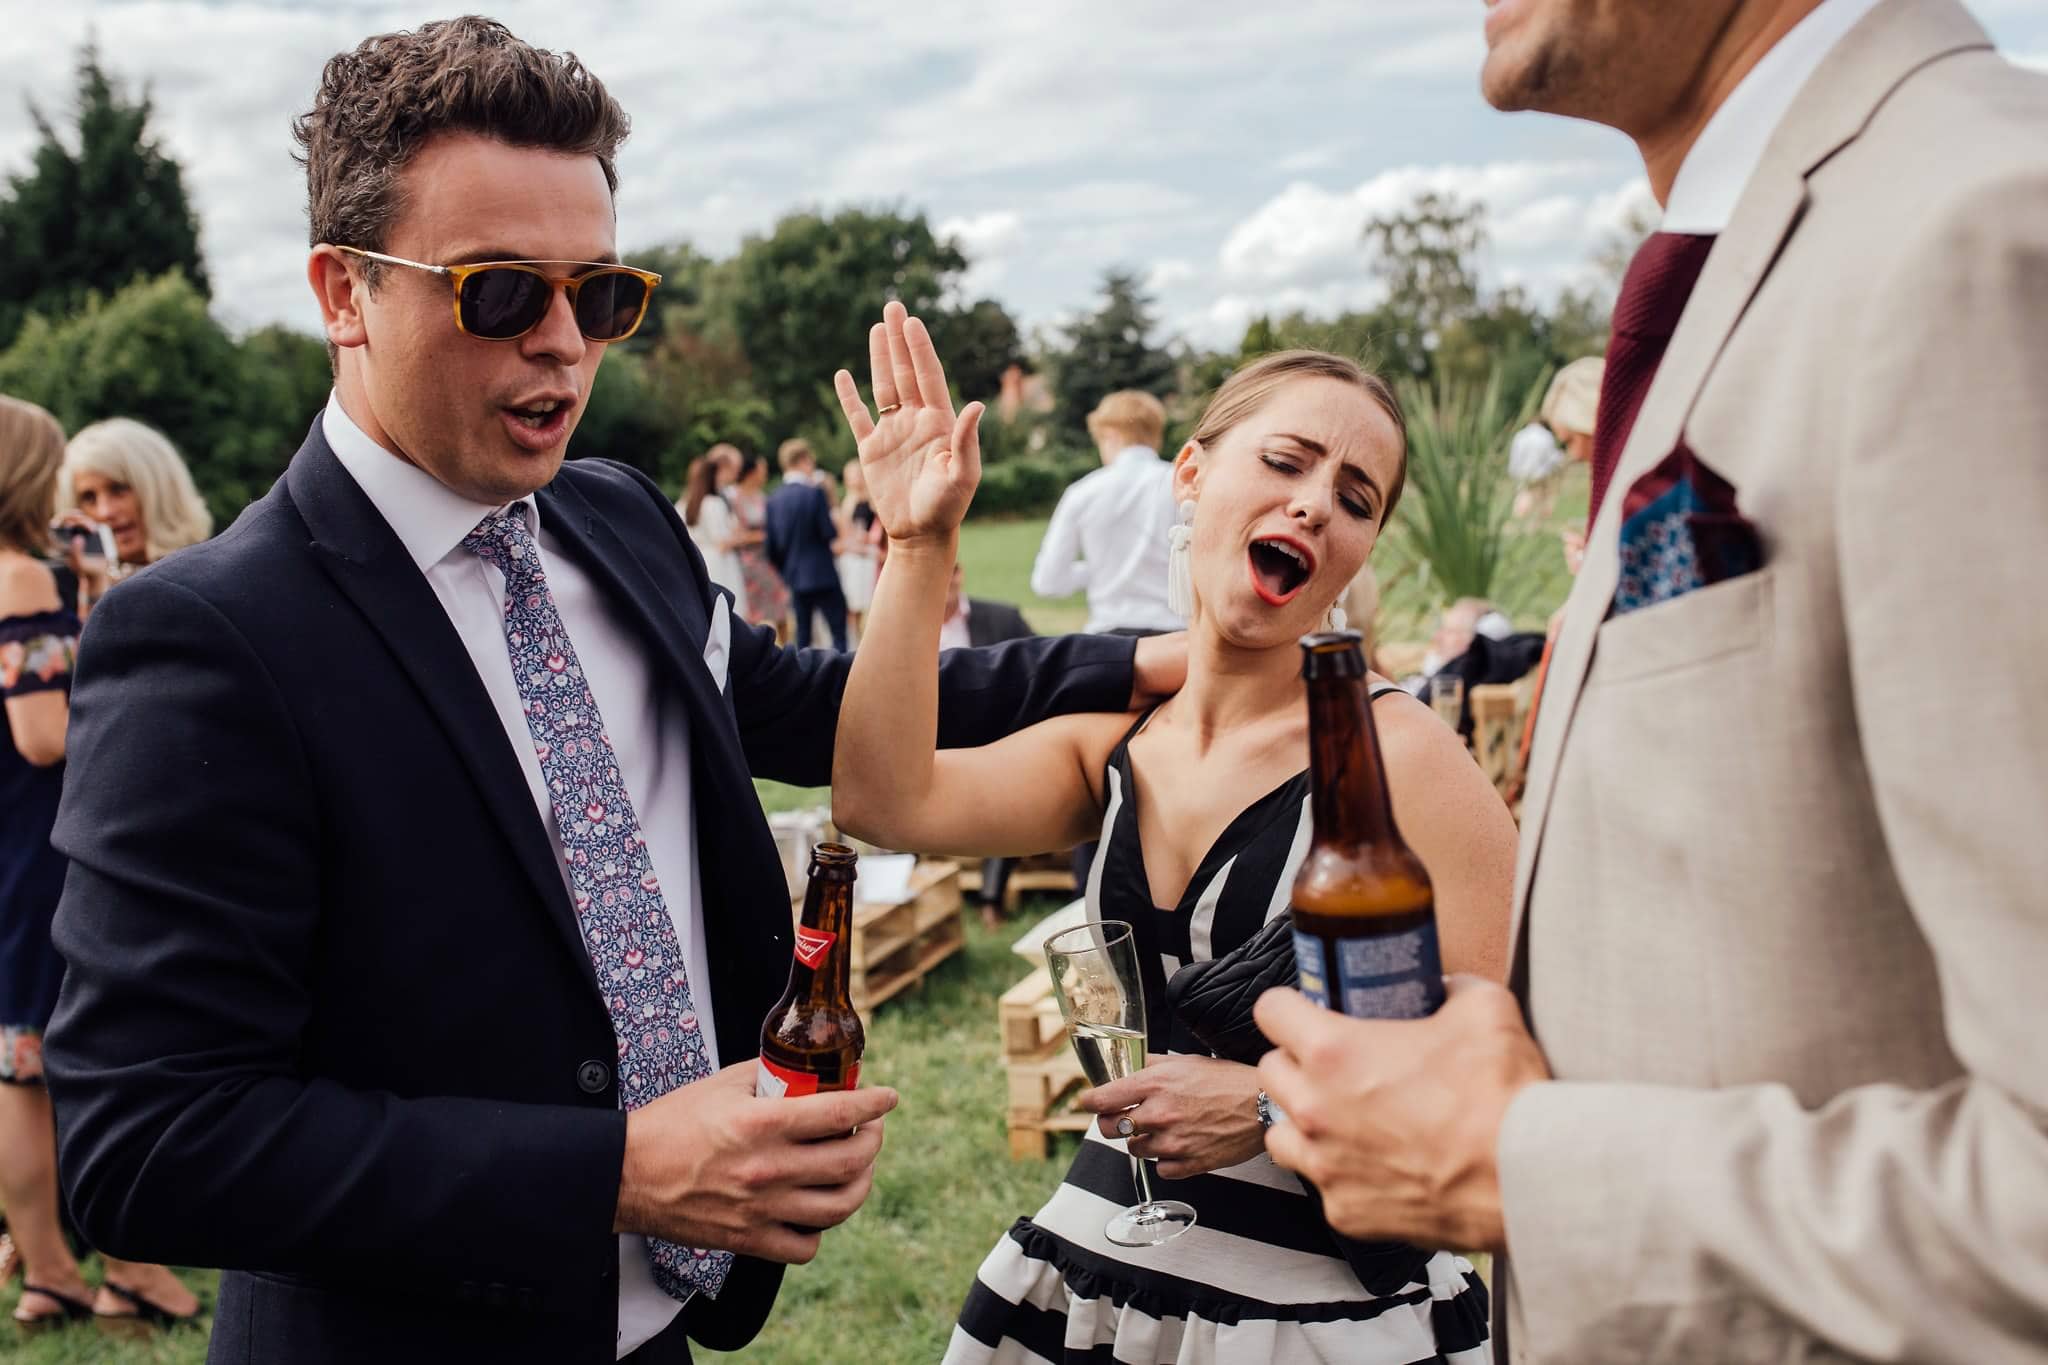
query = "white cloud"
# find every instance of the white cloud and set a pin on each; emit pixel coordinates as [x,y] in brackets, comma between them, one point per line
[1211,154]
[1166,274]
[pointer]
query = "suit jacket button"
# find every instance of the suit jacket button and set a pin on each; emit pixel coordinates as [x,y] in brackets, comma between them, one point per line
[594,1078]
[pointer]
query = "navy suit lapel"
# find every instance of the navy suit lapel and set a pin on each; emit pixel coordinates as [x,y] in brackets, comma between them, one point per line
[364,557]
[738,866]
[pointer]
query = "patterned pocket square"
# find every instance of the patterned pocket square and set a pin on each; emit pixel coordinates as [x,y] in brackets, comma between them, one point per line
[1680,531]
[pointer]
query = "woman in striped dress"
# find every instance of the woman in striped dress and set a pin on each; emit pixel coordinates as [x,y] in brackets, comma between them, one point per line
[1200,805]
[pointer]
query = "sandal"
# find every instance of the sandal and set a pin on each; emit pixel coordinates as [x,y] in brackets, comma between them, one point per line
[148,1313]
[69,1310]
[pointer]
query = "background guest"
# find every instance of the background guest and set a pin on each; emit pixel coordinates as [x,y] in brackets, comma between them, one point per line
[767,598]
[1108,535]
[38,636]
[712,524]
[801,539]
[1569,408]
[858,560]
[130,478]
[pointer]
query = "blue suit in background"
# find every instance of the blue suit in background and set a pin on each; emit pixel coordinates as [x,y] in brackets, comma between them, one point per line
[800,535]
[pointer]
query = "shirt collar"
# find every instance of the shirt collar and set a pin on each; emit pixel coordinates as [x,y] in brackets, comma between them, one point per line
[1135,455]
[429,518]
[1714,173]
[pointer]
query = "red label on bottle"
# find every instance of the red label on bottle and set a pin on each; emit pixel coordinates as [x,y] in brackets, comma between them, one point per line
[779,1082]
[812,945]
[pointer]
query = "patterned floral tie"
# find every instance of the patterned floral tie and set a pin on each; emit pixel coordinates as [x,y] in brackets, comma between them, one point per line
[619,907]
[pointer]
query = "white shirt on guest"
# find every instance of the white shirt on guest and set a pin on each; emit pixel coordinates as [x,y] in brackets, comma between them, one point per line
[649,726]
[1729,149]
[1108,536]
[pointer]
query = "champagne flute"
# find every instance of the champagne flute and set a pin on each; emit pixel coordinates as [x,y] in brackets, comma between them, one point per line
[1095,975]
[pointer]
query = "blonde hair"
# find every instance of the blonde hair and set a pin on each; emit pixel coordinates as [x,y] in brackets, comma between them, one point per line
[792,452]
[125,451]
[1133,414]
[31,457]
[1573,399]
[1248,388]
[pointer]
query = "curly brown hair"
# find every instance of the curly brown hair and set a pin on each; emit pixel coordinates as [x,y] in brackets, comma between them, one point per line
[379,104]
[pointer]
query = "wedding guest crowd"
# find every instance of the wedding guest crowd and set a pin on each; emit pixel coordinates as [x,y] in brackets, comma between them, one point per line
[130,477]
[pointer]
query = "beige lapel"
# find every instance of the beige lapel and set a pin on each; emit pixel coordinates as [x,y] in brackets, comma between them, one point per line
[1897,37]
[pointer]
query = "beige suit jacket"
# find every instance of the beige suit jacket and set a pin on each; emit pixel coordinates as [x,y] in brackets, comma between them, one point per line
[1782,909]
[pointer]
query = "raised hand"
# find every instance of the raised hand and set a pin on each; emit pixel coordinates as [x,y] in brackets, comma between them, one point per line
[922,462]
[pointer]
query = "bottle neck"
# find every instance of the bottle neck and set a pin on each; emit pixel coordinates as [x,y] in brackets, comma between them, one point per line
[824,954]
[1348,780]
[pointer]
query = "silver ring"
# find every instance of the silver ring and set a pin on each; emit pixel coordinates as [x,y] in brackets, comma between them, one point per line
[1124,1126]
[884,412]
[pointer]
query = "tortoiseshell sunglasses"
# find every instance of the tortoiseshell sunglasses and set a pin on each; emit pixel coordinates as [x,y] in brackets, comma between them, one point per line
[504,300]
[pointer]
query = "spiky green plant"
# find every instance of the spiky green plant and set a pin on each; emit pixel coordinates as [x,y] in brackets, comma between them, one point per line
[1454,532]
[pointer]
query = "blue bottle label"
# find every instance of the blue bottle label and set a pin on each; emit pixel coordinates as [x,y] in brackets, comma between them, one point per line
[1390,976]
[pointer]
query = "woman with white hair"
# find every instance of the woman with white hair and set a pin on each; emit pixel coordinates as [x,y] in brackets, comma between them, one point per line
[131,479]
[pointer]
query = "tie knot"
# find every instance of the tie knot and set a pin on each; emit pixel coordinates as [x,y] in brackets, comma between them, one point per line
[503,540]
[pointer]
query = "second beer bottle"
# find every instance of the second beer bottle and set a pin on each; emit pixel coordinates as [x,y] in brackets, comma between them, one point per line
[1365,939]
[811,1042]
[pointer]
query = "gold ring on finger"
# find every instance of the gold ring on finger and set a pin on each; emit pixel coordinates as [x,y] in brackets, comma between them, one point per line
[884,412]
[1125,1128]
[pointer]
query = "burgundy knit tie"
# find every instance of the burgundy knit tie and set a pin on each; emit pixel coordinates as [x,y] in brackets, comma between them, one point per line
[1653,294]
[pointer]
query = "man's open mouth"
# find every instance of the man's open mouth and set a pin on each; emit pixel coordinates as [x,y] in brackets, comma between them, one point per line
[1280,569]
[537,416]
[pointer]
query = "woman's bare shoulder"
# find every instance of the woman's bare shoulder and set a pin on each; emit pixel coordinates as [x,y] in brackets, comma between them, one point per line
[26,585]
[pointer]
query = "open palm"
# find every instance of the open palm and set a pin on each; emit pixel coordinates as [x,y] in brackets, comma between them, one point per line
[922,462]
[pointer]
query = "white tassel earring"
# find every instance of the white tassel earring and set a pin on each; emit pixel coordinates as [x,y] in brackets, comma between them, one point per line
[1338,620]
[1180,569]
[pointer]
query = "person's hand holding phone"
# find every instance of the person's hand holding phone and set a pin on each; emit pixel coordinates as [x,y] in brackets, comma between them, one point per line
[87,548]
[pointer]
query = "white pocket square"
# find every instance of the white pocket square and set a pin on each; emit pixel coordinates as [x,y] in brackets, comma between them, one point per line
[718,641]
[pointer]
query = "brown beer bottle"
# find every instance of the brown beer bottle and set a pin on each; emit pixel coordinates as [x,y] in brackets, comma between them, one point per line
[1364,915]
[812,1040]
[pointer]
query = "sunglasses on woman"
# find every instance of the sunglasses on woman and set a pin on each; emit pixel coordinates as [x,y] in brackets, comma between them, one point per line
[504,300]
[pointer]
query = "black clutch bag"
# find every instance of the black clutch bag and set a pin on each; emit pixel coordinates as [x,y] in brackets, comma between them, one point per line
[1214,999]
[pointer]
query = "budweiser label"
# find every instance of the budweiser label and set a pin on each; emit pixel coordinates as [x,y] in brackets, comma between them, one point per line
[813,944]
[774,1082]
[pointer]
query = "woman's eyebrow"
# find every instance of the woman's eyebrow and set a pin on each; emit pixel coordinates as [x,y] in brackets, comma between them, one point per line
[1318,449]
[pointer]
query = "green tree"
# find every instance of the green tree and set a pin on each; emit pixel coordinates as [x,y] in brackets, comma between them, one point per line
[1427,256]
[799,301]
[112,211]
[236,411]
[978,343]
[1108,350]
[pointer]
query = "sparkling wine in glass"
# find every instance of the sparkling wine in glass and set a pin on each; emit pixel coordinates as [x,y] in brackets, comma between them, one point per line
[1095,975]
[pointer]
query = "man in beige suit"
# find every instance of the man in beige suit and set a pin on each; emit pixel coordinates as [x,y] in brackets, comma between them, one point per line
[1782,911]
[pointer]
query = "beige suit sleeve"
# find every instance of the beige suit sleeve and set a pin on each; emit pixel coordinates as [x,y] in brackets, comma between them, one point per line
[1892,1225]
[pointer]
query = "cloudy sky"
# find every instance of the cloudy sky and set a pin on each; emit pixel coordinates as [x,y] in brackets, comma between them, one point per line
[1230,152]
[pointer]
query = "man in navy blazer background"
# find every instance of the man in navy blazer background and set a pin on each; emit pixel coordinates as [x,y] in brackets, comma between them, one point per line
[344,1014]
[801,534]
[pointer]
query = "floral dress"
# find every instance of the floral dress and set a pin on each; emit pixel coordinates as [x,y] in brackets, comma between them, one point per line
[36,654]
[767,595]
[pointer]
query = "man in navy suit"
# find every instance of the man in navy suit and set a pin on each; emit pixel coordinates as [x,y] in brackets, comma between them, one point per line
[422,916]
[801,534]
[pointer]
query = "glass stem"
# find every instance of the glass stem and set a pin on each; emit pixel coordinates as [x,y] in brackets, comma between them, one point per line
[1138,1165]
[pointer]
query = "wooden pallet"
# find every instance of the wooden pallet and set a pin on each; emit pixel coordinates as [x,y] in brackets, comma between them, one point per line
[1041,1070]
[896,946]
[1041,872]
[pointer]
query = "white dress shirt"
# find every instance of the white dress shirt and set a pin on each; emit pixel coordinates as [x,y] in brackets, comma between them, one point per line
[649,726]
[1716,170]
[1108,535]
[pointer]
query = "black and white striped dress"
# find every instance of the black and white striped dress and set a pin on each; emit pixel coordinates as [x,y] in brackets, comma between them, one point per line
[1258,1277]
